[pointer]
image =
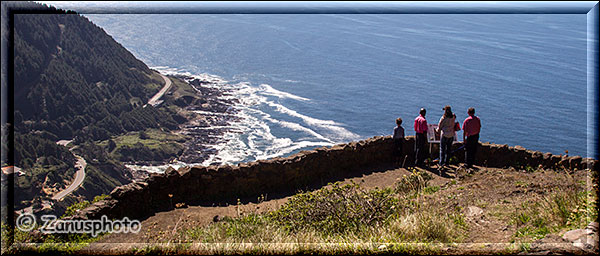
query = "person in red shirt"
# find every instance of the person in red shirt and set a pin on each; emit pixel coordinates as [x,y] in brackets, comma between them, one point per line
[471,128]
[420,137]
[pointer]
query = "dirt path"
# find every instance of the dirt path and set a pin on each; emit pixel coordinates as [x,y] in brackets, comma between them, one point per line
[155,100]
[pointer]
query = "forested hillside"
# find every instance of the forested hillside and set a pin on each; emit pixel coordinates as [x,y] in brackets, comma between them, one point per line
[74,81]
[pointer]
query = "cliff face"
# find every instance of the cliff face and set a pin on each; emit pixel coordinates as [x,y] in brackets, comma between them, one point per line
[224,184]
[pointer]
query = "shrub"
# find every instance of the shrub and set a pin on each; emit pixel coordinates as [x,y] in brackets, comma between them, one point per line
[72,209]
[431,189]
[415,182]
[337,209]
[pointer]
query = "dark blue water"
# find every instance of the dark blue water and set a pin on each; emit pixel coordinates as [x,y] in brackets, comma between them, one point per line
[311,80]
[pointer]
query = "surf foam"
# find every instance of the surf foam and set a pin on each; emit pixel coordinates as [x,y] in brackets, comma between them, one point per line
[252,136]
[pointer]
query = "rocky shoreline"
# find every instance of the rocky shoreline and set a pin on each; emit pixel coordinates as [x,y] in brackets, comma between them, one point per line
[209,114]
[208,118]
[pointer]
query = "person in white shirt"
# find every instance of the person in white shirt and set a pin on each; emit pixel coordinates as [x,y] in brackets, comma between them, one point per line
[446,129]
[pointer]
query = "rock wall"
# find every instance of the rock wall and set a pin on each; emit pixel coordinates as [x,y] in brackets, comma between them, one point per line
[216,185]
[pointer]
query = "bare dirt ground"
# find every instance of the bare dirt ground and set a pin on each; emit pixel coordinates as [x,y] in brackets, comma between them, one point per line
[494,194]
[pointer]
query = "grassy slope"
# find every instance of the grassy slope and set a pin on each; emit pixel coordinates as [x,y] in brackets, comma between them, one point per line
[416,215]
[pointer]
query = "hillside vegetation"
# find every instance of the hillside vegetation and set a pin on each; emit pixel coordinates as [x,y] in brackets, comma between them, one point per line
[414,211]
[74,81]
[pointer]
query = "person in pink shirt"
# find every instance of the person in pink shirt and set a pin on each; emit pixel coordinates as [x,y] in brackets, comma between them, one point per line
[420,137]
[471,128]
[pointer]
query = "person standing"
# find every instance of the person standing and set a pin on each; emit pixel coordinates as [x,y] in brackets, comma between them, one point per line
[471,128]
[446,129]
[398,139]
[420,137]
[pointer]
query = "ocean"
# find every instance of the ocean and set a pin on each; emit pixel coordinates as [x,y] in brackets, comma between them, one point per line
[309,80]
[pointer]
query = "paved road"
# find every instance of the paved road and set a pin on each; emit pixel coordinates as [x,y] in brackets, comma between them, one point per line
[79,176]
[64,142]
[81,163]
[155,100]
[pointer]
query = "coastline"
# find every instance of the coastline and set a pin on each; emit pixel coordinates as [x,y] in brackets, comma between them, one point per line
[208,112]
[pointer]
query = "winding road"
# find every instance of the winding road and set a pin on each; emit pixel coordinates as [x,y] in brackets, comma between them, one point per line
[155,100]
[79,176]
[81,163]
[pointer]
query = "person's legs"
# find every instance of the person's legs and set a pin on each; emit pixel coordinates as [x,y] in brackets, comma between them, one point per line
[445,148]
[417,140]
[470,149]
[475,145]
[419,147]
[400,149]
[472,142]
[397,151]
[443,151]
[448,149]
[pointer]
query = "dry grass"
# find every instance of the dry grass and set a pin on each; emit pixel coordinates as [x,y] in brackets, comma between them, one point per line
[410,217]
[315,222]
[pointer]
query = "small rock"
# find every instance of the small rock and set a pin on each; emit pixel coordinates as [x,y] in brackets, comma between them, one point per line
[575,235]
[474,211]
[217,218]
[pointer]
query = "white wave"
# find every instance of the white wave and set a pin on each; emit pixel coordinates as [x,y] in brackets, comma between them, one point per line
[213,79]
[268,90]
[298,127]
[214,127]
[208,113]
[290,148]
[335,128]
[157,168]
[250,137]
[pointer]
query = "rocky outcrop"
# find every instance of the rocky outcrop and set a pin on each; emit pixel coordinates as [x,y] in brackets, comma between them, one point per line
[585,239]
[574,242]
[224,184]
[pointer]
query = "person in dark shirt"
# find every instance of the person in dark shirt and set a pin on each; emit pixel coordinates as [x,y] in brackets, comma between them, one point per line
[398,139]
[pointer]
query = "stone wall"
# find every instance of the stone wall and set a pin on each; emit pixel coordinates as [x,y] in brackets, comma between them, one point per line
[216,185]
